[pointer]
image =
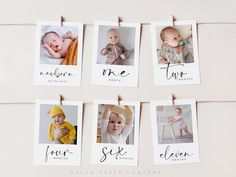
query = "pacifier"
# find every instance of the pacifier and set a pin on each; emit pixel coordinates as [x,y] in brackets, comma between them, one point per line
[181,43]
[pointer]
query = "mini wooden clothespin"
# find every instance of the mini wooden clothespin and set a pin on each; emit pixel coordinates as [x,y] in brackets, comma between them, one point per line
[118,20]
[62,20]
[173,98]
[119,99]
[61,98]
[173,19]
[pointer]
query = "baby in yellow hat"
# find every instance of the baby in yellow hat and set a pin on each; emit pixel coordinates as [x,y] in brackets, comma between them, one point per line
[116,124]
[58,117]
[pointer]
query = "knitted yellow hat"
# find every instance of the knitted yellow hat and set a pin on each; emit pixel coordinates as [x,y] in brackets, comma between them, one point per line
[55,111]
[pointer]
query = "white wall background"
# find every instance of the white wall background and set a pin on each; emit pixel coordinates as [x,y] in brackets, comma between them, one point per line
[216,121]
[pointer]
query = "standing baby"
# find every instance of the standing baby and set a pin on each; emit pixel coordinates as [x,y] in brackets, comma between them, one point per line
[177,118]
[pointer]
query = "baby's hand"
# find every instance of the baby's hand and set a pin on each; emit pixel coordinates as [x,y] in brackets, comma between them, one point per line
[69,35]
[180,49]
[162,61]
[122,56]
[104,51]
[176,62]
[45,45]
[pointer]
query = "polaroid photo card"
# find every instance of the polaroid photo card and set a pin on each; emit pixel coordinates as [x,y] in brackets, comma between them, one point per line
[58,60]
[115,133]
[116,54]
[58,131]
[174,129]
[175,53]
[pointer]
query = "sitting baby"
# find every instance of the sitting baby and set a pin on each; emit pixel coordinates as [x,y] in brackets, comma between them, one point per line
[174,49]
[56,46]
[58,121]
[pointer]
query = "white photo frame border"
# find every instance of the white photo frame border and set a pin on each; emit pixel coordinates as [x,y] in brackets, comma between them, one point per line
[191,150]
[191,69]
[131,80]
[72,151]
[52,72]
[130,158]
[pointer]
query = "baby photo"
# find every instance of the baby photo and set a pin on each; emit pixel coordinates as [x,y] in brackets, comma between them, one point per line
[58,124]
[58,130]
[115,124]
[175,53]
[116,45]
[116,54]
[174,44]
[174,124]
[58,54]
[115,133]
[174,131]
[59,45]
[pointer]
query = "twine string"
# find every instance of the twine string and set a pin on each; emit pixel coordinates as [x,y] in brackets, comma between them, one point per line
[144,23]
[142,102]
